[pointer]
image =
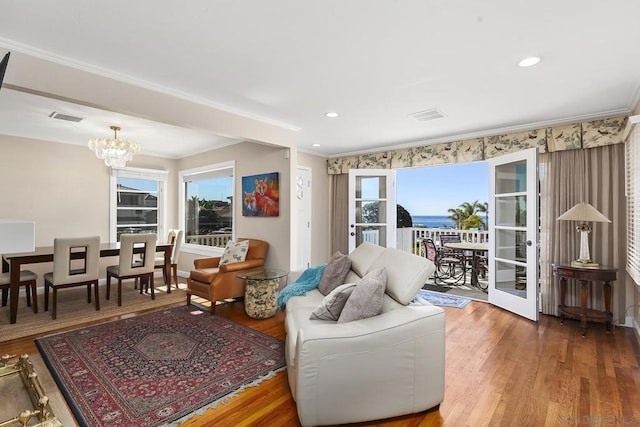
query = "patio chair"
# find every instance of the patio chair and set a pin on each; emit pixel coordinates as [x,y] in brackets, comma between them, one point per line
[451,265]
[455,238]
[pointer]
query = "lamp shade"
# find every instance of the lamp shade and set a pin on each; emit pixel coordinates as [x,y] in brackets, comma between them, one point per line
[583,212]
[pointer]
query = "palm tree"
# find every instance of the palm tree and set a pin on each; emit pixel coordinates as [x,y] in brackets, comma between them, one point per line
[457,216]
[460,214]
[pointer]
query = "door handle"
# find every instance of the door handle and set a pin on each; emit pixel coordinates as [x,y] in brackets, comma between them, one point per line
[529,242]
[352,233]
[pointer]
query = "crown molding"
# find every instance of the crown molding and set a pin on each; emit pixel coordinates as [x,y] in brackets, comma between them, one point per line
[490,132]
[114,75]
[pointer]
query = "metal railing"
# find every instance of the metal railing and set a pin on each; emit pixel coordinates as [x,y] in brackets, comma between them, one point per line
[409,239]
[218,240]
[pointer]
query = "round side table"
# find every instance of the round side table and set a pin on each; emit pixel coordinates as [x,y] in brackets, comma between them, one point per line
[261,292]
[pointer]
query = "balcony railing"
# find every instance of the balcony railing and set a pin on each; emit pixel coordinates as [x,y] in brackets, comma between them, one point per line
[218,239]
[409,239]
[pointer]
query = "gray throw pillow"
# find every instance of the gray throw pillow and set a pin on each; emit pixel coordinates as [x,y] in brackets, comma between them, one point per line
[367,297]
[335,273]
[331,305]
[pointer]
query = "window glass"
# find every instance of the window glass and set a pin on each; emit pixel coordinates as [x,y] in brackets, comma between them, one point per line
[137,205]
[208,206]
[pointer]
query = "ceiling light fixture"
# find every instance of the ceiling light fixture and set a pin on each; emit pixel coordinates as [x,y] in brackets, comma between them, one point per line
[528,62]
[332,115]
[115,152]
[315,145]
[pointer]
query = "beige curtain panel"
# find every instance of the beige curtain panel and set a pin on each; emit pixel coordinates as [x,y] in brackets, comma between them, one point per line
[593,176]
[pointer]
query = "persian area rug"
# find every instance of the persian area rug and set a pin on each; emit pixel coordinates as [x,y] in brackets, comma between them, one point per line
[157,368]
[444,300]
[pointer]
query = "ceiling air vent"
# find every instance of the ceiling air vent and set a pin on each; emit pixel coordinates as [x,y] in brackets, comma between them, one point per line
[427,115]
[66,117]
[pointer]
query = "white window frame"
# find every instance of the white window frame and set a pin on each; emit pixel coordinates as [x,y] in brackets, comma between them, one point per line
[161,176]
[201,172]
[632,192]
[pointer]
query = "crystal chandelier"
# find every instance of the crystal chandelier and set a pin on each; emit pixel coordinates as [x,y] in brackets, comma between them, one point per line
[115,152]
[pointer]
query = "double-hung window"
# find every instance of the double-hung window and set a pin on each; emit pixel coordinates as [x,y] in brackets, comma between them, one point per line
[206,207]
[137,202]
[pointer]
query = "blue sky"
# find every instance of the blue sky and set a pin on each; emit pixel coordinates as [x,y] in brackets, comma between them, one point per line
[433,190]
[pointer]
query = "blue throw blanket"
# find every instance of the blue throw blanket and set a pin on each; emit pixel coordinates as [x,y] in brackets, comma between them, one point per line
[308,280]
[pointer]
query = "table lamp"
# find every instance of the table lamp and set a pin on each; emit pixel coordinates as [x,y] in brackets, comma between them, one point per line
[585,214]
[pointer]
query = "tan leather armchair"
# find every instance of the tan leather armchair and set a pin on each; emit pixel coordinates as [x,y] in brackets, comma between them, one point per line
[213,282]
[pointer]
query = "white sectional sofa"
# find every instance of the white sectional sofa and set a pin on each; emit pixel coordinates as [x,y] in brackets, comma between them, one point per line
[380,367]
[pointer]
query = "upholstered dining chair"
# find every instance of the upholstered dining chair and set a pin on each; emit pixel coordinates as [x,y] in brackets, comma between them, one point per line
[215,282]
[28,280]
[129,267]
[75,263]
[175,237]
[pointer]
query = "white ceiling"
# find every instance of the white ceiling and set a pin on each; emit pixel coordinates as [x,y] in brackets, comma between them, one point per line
[372,61]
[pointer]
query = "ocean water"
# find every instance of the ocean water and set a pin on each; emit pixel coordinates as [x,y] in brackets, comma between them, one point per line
[432,221]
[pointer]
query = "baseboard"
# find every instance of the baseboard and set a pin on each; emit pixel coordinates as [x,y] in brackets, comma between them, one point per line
[628,322]
[636,329]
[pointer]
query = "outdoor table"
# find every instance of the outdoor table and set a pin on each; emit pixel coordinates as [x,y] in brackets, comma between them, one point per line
[478,250]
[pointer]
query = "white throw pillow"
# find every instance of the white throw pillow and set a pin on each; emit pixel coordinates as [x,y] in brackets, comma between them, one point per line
[234,252]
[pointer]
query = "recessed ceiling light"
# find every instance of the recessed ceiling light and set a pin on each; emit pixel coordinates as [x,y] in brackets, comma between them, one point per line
[528,62]
[332,114]
[315,145]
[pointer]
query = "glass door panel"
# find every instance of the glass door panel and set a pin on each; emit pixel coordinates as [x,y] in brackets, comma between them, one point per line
[372,207]
[511,211]
[513,233]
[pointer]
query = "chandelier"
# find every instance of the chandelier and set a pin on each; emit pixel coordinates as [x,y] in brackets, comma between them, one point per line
[115,152]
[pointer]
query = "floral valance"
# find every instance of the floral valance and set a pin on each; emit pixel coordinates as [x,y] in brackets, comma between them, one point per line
[591,134]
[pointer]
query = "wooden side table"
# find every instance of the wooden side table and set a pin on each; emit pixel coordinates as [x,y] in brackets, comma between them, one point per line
[606,275]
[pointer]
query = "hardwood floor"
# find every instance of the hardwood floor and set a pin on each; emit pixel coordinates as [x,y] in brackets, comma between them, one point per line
[500,370]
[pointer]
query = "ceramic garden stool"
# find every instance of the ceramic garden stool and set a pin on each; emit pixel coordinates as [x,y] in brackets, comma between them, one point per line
[261,292]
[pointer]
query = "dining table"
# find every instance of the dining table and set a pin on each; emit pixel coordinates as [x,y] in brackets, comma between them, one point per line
[478,249]
[12,263]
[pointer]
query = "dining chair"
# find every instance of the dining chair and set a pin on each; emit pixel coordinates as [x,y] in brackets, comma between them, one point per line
[130,267]
[75,263]
[175,237]
[28,280]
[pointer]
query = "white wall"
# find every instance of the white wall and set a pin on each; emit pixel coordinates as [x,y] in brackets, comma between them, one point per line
[320,215]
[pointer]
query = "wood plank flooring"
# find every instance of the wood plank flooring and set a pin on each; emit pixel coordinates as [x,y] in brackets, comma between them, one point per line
[501,370]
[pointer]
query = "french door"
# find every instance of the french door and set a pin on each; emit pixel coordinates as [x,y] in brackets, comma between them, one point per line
[372,207]
[513,233]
